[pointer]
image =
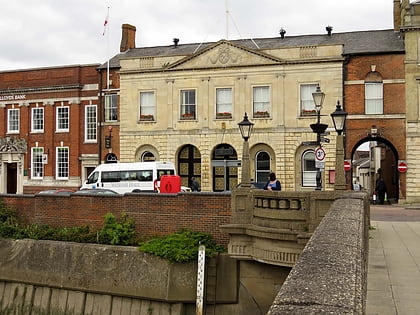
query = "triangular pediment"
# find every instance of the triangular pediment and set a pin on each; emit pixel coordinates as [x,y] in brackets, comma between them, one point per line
[225,54]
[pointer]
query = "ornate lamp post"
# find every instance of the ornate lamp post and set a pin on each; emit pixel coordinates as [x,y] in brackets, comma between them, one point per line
[318,128]
[245,126]
[339,120]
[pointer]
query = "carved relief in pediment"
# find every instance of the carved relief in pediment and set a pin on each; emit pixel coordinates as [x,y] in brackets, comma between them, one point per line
[225,55]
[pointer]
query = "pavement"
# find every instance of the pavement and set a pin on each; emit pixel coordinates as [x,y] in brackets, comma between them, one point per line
[394,261]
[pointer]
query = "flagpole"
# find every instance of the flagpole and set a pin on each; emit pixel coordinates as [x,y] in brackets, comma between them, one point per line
[107,51]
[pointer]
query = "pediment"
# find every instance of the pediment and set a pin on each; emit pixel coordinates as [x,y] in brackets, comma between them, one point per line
[225,54]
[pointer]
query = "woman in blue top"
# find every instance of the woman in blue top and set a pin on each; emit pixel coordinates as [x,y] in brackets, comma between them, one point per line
[273,183]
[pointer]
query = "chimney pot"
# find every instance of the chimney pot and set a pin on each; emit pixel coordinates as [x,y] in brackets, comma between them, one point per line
[329,30]
[176,41]
[282,32]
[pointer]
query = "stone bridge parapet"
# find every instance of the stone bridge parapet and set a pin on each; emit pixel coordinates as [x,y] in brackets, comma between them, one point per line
[274,226]
[330,276]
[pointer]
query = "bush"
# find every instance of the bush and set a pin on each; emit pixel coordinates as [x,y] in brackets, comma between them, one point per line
[181,246]
[117,232]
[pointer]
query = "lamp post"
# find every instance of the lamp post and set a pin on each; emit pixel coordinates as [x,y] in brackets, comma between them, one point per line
[245,126]
[318,128]
[339,119]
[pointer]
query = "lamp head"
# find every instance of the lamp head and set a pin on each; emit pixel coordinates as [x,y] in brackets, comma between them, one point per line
[245,126]
[318,97]
[339,118]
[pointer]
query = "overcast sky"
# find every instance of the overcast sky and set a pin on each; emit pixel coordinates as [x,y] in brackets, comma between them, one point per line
[44,33]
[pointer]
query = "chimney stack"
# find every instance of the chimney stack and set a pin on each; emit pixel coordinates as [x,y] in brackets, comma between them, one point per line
[397,15]
[128,38]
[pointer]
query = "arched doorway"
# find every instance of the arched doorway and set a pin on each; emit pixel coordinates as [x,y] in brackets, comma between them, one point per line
[224,177]
[373,157]
[189,164]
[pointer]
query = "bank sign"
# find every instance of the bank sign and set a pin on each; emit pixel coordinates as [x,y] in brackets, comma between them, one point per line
[16,97]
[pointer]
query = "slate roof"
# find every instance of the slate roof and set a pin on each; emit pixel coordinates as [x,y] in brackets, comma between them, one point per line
[355,43]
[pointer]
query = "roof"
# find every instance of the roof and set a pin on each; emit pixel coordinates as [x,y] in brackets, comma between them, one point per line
[354,43]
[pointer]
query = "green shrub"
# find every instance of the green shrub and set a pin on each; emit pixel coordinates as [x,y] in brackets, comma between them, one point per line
[117,232]
[181,246]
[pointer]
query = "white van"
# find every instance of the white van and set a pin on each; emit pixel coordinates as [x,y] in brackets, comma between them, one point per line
[129,177]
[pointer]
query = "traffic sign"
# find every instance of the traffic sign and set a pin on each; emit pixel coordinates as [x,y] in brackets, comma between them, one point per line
[320,154]
[347,165]
[402,167]
[320,164]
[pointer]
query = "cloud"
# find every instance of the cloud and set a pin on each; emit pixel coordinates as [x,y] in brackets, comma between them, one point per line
[46,33]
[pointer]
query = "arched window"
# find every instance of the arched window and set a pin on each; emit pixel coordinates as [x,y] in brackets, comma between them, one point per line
[148,157]
[111,158]
[262,166]
[308,169]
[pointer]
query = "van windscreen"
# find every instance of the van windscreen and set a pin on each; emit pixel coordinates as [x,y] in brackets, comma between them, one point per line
[164,172]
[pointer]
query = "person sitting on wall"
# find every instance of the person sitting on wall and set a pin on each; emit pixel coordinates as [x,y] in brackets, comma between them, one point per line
[273,183]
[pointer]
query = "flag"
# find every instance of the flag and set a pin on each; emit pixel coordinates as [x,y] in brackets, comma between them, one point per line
[106,22]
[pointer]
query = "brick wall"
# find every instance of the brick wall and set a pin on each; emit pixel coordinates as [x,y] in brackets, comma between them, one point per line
[154,214]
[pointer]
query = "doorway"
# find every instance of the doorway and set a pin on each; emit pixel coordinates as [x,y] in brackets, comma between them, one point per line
[11,173]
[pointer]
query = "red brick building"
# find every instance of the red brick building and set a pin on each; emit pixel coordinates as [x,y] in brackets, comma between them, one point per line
[374,89]
[48,130]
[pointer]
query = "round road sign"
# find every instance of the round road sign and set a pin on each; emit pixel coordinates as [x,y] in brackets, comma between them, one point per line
[347,166]
[402,167]
[320,154]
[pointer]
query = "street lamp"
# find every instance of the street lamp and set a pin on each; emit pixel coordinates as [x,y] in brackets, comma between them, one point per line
[339,120]
[318,128]
[245,126]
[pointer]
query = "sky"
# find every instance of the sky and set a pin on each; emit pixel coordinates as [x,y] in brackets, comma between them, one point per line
[47,33]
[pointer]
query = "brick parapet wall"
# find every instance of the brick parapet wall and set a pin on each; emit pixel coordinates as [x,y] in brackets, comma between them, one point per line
[153,214]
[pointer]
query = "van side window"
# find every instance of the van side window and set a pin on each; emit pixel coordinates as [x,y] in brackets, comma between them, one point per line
[93,178]
[108,177]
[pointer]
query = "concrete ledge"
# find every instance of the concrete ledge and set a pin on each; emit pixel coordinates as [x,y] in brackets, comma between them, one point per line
[115,270]
[331,274]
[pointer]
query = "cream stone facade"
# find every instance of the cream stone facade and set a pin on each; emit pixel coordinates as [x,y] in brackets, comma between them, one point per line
[409,17]
[281,131]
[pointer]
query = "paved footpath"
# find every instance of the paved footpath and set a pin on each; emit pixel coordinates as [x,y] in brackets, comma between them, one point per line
[394,261]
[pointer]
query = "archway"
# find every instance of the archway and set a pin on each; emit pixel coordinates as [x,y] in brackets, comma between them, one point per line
[225,177]
[189,164]
[372,157]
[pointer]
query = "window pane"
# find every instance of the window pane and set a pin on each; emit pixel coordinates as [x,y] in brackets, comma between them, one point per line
[62,167]
[147,105]
[37,119]
[90,123]
[37,167]
[111,107]
[224,100]
[374,98]
[63,118]
[13,120]
[188,105]
[307,104]
[308,169]
[261,100]
[262,166]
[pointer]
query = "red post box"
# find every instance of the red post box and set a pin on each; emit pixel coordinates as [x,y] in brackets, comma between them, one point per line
[170,184]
